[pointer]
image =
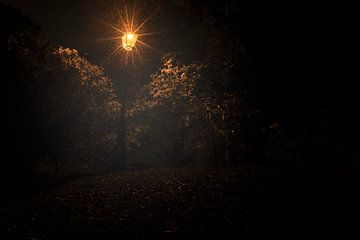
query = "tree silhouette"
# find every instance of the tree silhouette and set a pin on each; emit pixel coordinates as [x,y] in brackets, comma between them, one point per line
[185,118]
[59,108]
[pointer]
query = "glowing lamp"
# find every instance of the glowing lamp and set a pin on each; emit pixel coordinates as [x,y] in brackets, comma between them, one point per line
[129,40]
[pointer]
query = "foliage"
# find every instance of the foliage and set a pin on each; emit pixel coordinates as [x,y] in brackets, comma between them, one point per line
[60,108]
[185,118]
[90,136]
[78,109]
[17,119]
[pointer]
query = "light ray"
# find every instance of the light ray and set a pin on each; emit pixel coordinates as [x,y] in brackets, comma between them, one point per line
[128,35]
[132,19]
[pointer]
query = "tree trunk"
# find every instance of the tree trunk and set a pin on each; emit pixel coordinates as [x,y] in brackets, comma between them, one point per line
[180,146]
[122,89]
[119,161]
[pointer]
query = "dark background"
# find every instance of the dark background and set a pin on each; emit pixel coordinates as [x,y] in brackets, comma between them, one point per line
[271,34]
[272,59]
[283,159]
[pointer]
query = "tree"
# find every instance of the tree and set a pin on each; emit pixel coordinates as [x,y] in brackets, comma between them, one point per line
[185,118]
[17,118]
[85,130]
[59,107]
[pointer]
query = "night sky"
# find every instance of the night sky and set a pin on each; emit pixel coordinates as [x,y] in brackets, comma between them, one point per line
[213,132]
[266,30]
[269,34]
[65,22]
[75,23]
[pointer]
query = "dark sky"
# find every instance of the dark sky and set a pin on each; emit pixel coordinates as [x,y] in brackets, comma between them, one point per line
[66,22]
[75,23]
[79,24]
[267,28]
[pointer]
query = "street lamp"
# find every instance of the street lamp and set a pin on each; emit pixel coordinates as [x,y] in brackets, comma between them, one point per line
[128,41]
[125,35]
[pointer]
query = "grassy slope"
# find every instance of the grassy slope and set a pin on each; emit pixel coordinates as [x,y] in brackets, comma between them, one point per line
[190,204]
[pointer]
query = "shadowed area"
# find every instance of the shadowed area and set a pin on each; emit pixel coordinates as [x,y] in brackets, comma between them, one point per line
[192,204]
[171,119]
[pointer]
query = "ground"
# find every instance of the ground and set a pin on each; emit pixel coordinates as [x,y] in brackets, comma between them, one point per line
[228,203]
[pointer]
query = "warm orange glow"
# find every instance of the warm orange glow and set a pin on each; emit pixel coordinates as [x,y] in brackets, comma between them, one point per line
[128,34]
[128,41]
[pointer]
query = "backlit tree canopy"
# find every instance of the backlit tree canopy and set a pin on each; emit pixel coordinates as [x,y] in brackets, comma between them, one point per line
[184,117]
[69,105]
